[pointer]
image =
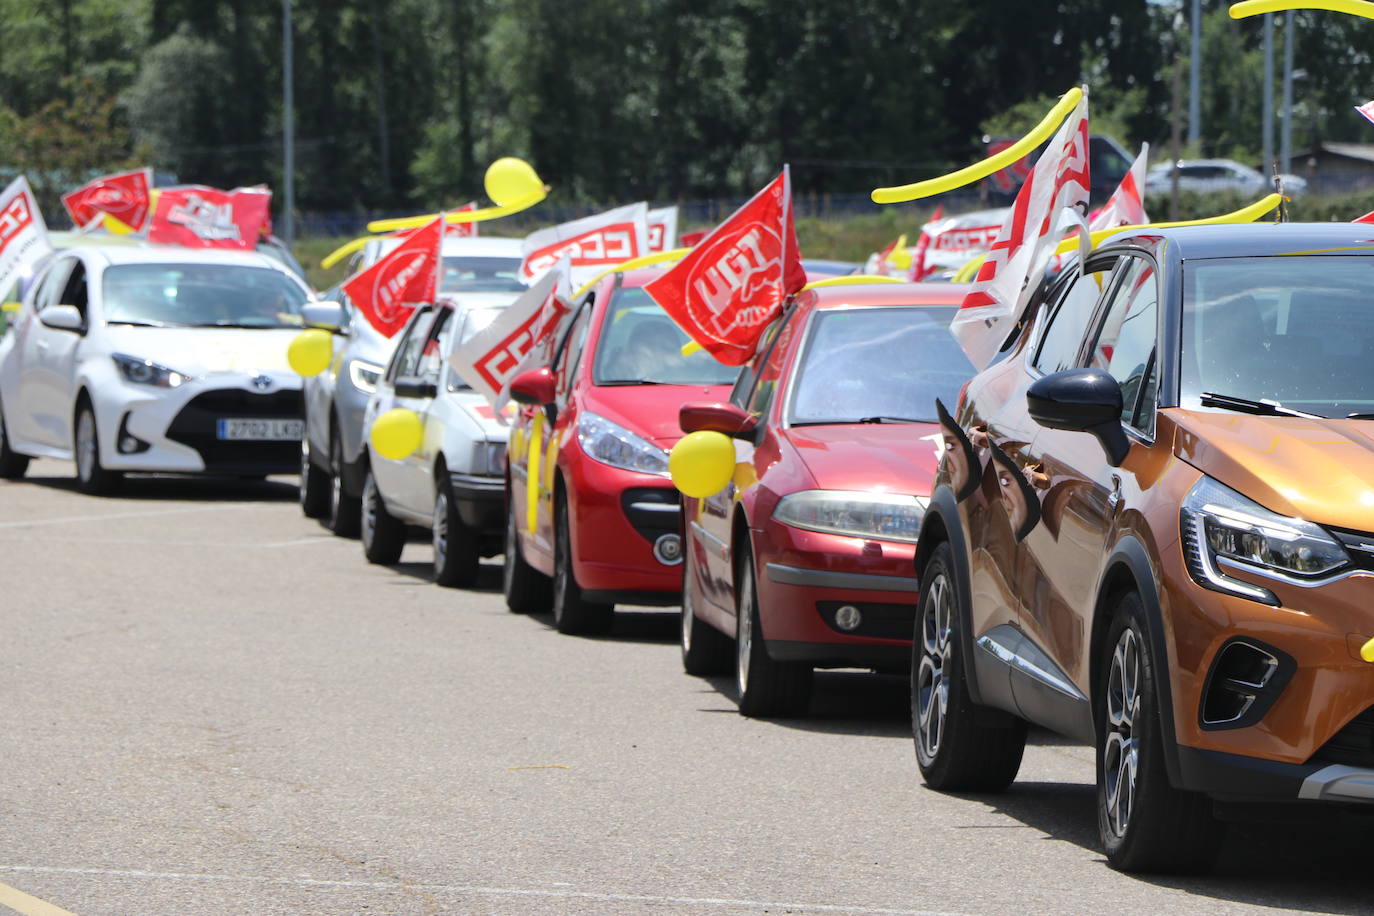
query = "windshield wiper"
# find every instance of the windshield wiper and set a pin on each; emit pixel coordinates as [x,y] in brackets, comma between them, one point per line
[852,421]
[634,381]
[238,324]
[882,419]
[143,324]
[1264,408]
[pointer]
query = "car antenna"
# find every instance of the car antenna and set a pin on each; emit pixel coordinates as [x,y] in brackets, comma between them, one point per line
[1282,214]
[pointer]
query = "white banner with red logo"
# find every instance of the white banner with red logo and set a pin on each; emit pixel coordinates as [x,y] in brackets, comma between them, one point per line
[201,217]
[663,228]
[123,197]
[734,282]
[23,234]
[951,242]
[493,356]
[1367,109]
[1126,206]
[592,243]
[1026,241]
[388,291]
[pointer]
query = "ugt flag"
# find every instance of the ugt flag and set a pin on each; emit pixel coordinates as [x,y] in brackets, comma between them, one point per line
[23,234]
[388,291]
[1026,240]
[1126,206]
[201,217]
[593,243]
[123,197]
[734,282]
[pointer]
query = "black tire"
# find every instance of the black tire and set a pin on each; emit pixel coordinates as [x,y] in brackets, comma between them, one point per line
[345,512]
[960,747]
[314,485]
[705,650]
[457,550]
[383,535]
[571,614]
[1146,825]
[527,590]
[12,464]
[91,476]
[766,688]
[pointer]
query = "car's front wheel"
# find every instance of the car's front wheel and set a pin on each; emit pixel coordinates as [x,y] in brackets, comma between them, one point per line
[1146,825]
[314,485]
[12,464]
[705,650]
[344,510]
[91,476]
[766,688]
[527,590]
[571,612]
[383,535]
[959,746]
[457,554]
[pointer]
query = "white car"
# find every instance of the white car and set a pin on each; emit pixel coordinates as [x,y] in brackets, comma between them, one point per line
[153,359]
[1208,175]
[454,484]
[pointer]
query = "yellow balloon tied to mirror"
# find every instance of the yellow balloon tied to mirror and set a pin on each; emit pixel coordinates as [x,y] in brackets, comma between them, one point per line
[702,463]
[1361,8]
[510,180]
[397,434]
[310,352]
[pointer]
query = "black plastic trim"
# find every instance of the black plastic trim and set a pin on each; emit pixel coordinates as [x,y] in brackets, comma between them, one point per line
[838,655]
[1265,696]
[647,599]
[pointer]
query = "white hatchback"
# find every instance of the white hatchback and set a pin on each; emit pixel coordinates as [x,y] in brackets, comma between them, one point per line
[153,359]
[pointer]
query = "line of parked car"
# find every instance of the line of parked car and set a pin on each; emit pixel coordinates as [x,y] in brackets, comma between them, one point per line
[1146,526]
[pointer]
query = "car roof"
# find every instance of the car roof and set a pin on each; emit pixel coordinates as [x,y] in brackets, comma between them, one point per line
[1240,240]
[869,294]
[175,254]
[482,246]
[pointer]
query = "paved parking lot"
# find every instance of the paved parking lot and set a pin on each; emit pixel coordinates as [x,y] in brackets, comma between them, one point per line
[209,705]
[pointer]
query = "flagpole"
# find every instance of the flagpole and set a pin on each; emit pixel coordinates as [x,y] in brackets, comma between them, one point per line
[786,217]
[288,129]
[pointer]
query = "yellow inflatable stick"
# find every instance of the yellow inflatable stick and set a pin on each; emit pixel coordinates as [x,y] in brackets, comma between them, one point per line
[344,250]
[1248,8]
[980,170]
[900,257]
[398,433]
[532,473]
[852,280]
[511,183]
[310,352]
[647,260]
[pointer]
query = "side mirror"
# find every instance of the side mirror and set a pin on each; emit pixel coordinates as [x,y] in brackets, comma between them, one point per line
[534,387]
[327,316]
[1081,400]
[410,386]
[709,416]
[63,318]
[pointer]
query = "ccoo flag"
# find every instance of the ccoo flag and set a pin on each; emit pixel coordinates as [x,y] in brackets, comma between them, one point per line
[388,291]
[23,234]
[1126,206]
[592,243]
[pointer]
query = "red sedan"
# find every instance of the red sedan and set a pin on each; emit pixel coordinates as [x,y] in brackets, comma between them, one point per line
[594,519]
[806,558]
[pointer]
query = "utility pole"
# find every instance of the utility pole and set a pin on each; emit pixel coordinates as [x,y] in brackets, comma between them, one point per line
[288,223]
[1194,79]
[1286,138]
[1267,166]
[1175,129]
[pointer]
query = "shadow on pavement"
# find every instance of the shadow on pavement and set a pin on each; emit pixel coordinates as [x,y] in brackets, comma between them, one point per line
[648,625]
[488,575]
[178,488]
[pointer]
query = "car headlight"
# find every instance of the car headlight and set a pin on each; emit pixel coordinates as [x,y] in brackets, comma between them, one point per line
[879,516]
[610,443]
[1222,528]
[146,372]
[489,459]
[364,375]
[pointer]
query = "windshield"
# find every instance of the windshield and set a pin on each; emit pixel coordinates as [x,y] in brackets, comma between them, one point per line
[888,363]
[640,343]
[1296,330]
[202,295]
[481,275]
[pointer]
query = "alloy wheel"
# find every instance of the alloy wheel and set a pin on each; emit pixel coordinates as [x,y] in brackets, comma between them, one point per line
[335,480]
[744,632]
[86,447]
[1121,752]
[369,512]
[687,615]
[440,530]
[932,684]
[512,552]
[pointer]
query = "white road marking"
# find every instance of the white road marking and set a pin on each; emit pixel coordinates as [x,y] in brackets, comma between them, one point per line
[163,542]
[475,889]
[116,516]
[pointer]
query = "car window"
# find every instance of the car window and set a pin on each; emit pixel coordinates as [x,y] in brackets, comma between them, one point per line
[74,291]
[639,342]
[52,284]
[431,360]
[407,358]
[571,357]
[743,391]
[1059,344]
[1125,345]
[202,295]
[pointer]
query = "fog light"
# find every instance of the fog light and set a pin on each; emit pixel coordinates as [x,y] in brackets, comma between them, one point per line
[848,617]
[668,549]
[126,442]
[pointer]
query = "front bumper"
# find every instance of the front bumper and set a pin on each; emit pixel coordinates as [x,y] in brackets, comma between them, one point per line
[481,501]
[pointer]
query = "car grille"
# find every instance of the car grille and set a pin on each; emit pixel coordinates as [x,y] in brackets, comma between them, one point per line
[196,426]
[1352,745]
[652,511]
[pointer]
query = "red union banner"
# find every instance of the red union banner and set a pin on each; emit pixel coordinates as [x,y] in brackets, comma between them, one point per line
[23,235]
[201,217]
[662,228]
[463,230]
[735,281]
[123,196]
[592,243]
[388,291]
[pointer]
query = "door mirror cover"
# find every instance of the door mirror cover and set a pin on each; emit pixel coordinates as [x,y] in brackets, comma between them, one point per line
[411,386]
[63,318]
[534,387]
[715,417]
[1081,400]
[325,315]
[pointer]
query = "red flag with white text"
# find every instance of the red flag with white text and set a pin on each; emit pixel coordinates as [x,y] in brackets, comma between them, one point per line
[734,282]
[201,217]
[124,196]
[388,291]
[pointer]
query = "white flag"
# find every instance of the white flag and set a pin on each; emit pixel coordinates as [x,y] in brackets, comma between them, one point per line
[1126,206]
[1026,240]
[663,228]
[593,243]
[23,234]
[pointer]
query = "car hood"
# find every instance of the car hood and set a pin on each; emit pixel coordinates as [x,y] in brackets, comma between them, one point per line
[1318,469]
[650,410]
[893,457]
[203,351]
[479,412]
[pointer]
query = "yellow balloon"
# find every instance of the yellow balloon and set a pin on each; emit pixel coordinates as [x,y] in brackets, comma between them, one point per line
[1367,651]
[509,180]
[397,433]
[310,352]
[702,463]
[980,170]
[1359,8]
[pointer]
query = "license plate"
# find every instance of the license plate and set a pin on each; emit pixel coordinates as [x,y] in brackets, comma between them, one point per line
[260,430]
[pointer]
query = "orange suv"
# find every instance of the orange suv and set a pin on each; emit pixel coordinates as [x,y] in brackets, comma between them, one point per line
[1153,532]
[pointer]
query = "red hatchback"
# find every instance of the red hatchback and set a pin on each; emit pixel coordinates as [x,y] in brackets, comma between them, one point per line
[594,519]
[806,558]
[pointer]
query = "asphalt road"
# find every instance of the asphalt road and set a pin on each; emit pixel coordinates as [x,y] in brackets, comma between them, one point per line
[209,705]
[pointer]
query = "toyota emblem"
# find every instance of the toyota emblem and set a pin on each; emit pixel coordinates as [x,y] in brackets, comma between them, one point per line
[262,382]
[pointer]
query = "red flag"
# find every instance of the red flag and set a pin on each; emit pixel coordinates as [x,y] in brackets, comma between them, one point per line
[733,283]
[1367,218]
[1367,109]
[123,196]
[388,291]
[463,230]
[201,217]
[689,239]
